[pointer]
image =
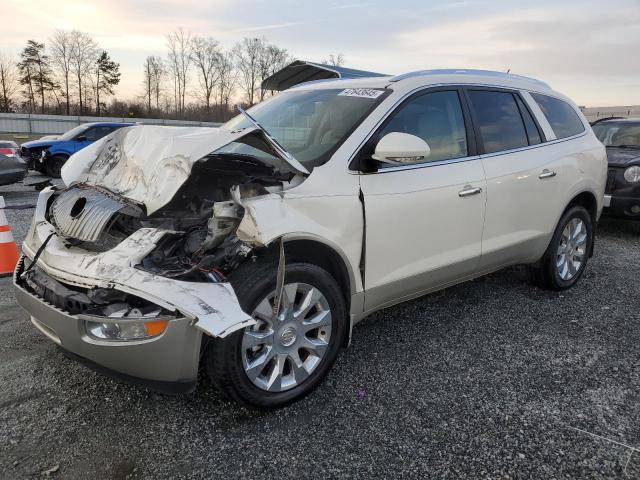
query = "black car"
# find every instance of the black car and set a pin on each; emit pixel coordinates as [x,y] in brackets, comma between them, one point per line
[12,167]
[621,136]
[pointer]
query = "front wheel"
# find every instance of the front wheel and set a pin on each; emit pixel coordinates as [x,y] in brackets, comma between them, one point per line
[53,166]
[566,257]
[284,356]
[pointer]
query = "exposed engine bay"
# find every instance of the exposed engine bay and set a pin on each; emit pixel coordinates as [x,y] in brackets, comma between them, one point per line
[200,220]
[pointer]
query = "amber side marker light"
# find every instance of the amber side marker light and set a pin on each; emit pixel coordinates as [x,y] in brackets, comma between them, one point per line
[155,327]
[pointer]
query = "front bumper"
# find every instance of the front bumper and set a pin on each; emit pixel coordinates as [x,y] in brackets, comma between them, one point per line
[621,199]
[9,177]
[167,363]
[622,207]
[172,357]
[12,170]
[213,307]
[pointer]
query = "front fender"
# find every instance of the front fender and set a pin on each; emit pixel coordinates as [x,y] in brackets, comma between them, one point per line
[59,150]
[336,221]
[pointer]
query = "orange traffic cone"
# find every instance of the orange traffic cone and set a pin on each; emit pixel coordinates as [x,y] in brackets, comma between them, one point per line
[8,249]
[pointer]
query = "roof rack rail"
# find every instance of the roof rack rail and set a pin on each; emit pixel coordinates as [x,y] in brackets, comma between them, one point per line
[467,71]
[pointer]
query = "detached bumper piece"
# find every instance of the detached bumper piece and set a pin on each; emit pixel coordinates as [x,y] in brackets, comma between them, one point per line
[112,332]
[624,207]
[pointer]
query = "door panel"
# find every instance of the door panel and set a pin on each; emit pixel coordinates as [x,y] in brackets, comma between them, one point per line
[424,222]
[522,208]
[524,179]
[420,234]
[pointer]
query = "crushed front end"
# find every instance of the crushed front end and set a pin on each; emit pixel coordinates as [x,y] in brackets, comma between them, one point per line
[128,279]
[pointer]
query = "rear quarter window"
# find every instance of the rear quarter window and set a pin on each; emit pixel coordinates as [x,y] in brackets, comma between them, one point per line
[563,119]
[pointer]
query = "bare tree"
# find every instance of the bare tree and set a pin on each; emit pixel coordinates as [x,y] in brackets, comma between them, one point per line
[8,82]
[247,54]
[159,71]
[154,72]
[335,60]
[148,79]
[74,76]
[205,56]
[84,52]
[178,43]
[61,53]
[272,59]
[228,78]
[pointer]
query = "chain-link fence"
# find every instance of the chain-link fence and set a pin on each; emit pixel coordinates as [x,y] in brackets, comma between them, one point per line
[28,126]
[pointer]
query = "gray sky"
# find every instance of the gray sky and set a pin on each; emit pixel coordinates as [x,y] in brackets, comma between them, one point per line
[589,50]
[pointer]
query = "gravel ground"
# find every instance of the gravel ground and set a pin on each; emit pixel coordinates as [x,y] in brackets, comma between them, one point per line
[490,379]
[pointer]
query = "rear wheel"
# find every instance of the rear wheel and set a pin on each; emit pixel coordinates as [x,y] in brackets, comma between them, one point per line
[566,257]
[53,165]
[284,356]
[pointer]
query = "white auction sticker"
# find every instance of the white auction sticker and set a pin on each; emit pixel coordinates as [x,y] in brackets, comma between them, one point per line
[361,92]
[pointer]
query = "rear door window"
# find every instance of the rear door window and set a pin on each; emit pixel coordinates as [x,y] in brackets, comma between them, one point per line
[562,117]
[499,120]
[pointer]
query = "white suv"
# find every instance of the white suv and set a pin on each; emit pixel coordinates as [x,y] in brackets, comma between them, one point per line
[255,247]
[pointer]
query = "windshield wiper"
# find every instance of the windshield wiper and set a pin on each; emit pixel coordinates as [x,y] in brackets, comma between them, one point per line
[280,150]
[625,146]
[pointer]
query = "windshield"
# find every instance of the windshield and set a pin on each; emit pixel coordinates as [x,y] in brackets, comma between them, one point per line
[618,134]
[73,132]
[309,124]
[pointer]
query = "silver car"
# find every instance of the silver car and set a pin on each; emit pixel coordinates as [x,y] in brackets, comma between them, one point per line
[255,247]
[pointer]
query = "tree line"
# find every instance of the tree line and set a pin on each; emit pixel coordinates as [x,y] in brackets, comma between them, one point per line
[198,79]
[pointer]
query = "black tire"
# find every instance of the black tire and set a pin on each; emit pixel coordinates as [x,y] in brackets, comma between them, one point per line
[545,274]
[53,165]
[253,282]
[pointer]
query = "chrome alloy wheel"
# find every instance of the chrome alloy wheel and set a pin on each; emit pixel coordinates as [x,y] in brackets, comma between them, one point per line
[280,352]
[572,249]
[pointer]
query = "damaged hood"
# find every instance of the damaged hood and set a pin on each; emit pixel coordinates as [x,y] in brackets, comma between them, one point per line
[621,157]
[148,164]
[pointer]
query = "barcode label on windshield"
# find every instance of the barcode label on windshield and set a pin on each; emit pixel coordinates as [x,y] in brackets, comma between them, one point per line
[361,92]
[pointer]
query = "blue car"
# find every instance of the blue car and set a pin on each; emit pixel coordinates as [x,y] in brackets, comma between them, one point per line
[48,156]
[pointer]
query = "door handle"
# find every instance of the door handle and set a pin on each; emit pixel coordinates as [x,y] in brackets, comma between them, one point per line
[468,191]
[546,174]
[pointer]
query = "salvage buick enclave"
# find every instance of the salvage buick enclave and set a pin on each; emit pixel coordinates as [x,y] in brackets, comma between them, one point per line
[252,249]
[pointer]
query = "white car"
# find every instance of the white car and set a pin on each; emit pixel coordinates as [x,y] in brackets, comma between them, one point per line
[256,247]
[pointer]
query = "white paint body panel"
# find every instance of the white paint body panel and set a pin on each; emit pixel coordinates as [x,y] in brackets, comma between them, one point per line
[325,208]
[522,208]
[419,227]
[420,235]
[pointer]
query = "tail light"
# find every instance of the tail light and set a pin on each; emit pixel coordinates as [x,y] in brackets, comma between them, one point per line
[8,151]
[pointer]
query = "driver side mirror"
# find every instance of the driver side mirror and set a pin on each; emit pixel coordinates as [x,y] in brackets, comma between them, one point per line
[398,148]
[81,138]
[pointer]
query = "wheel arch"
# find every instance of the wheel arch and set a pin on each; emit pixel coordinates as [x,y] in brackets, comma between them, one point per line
[317,251]
[54,150]
[586,199]
[58,153]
